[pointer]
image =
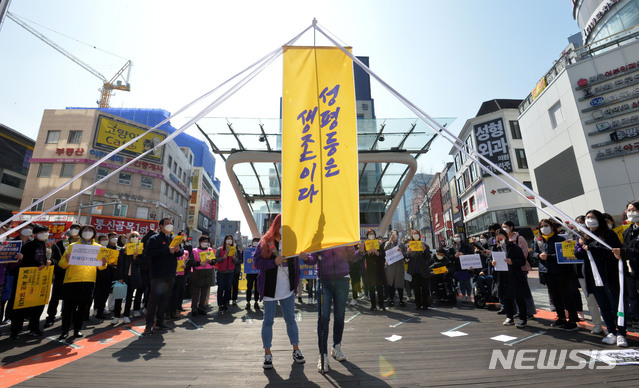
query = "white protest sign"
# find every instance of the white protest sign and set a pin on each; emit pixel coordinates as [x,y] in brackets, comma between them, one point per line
[470,261]
[393,255]
[500,258]
[85,255]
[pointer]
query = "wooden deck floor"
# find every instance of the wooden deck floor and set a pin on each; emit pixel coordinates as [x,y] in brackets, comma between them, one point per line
[226,351]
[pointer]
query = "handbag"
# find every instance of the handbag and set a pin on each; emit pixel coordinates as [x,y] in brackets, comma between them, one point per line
[526,267]
[119,290]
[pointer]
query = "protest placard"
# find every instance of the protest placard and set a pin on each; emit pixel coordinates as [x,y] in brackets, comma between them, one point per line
[416,246]
[207,255]
[565,251]
[307,271]
[111,255]
[232,251]
[137,247]
[500,258]
[470,261]
[9,250]
[393,255]
[372,244]
[33,287]
[440,270]
[82,254]
[176,241]
[248,261]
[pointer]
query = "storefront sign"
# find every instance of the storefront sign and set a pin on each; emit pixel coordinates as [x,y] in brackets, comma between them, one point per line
[112,134]
[596,16]
[70,151]
[178,183]
[617,151]
[106,224]
[206,204]
[491,143]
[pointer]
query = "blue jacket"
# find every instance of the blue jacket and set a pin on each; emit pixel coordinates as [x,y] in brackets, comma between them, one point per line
[163,262]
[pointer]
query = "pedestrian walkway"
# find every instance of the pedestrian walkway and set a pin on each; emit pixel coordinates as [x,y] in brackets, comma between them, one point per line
[447,345]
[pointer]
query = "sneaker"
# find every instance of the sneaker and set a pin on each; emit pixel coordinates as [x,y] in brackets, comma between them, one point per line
[552,308]
[597,329]
[298,357]
[621,341]
[559,323]
[268,362]
[520,324]
[299,299]
[570,326]
[337,353]
[610,339]
[508,322]
[319,364]
[353,302]
[127,320]
[580,315]
[136,313]
[256,306]
[115,321]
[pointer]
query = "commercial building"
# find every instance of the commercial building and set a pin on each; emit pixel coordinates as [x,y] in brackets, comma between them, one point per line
[14,166]
[581,128]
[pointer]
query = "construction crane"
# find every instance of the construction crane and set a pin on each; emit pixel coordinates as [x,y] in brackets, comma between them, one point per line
[117,82]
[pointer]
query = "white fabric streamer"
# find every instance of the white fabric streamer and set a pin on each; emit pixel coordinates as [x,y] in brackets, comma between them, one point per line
[621,319]
[595,271]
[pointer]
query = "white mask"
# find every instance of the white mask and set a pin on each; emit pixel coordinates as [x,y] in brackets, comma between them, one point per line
[592,222]
[371,237]
[168,228]
[482,240]
[74,232]
[43,236]
[26,232]
[114,240]
[507,230]
[229,242]
[88,235]
[609,225]
[134,239]
[633,216]
[415,237]
[546,230]
[440,257]
[457,239]
[204,245]
[104,243]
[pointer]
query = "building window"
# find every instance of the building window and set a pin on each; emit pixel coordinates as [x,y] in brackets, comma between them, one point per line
[12,181]
[39,207]
[473,205]
[102,172]
[469,143]
[458,162]
[124,178]
[460,185]
[465,208]
[62,208]
[67,171]
[146,182]
[170,161]
[142,212]
[515,132]
[179,173]
[473,172]
[556,115]
[166,188]
[171,193]
[53,137]
[120,210]
[174,167]
[521,158]
[75,137]
[44,170]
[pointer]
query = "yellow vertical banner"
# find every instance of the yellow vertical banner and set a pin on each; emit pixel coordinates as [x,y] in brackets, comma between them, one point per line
[320,193]
[33,287]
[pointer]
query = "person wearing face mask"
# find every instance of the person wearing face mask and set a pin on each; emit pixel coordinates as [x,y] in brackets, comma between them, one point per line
[558,277]
[72,236]
[79,282]
[418,263]
[177,296]
[395,271]
[163,259]
[225,266]
[6,282]
[486,288]
[34,254]
[606,265]
[374,260]
[104,280]
[251,283]
[463,276]
[235,282]
[512,284]
[630,253]
[202,277]
[516,238]
[129,273]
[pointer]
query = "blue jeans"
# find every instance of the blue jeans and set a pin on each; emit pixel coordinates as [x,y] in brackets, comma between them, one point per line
[224,282]
[288,311]
[334,293]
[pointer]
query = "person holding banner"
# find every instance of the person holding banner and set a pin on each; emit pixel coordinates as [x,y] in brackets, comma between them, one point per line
[463,276]
[129,273]
[602,274]
[104,279]
[225,261]
[630,249]
[418,269]
[79,282]
[395,271]
[201,262]
[6,280]
[277,282]
[558,277]
[374,260]
[512,284]
[177,295]
[35,253]
[72,236]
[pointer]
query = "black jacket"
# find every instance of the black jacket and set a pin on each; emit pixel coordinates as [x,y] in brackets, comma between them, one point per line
[419,260]
[163,262]
[606,262]
[550,265]
[630,250]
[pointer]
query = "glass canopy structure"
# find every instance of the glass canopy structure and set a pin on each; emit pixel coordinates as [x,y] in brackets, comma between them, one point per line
[388,150]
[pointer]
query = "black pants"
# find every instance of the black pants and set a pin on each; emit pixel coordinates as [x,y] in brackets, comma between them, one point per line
[73,311]
[421,287]
[234,286]
[509,305]
[101,295]
[559,286]
[17,320]
[146,286]
[380,295]
[391,293]
[128,300]
[159,299]
[178,294]
[56,297]
[251,287]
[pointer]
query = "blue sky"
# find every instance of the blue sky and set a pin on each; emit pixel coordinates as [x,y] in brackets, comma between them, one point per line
[447,57]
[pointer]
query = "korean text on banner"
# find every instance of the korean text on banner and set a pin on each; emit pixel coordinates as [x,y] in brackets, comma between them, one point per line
[33,287]
[470,261]
[176,241]
[111,255]
[416,246]
[620,229]
[371,244]
[565,251]
[500,259]
[207,255]
[232,251]
[320,193]
[9,250]
[248,261]
[307,271]
[394,255]
[85,255]
[137,247]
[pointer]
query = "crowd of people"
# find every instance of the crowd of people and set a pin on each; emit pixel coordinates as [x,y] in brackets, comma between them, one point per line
[162,275]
